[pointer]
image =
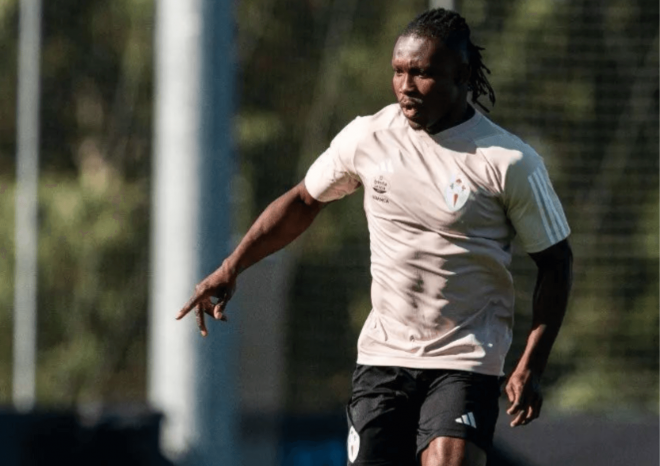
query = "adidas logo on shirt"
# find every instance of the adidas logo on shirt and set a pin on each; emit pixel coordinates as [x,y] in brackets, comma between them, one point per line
[467,419]
[386,166]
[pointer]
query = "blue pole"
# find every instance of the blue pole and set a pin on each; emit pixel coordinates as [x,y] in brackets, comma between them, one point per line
[192,380]
[217,378]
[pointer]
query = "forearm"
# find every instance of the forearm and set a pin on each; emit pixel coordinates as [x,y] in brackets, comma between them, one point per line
[551,294]
[278,225]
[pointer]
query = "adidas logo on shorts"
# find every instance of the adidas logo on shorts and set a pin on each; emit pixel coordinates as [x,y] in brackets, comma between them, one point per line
[467,419]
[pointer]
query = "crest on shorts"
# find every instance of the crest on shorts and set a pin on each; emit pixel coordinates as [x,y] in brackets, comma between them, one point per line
[457,193]
[353,444]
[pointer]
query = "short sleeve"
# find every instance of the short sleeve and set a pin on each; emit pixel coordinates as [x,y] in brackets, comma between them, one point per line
[532,204]
[332,176]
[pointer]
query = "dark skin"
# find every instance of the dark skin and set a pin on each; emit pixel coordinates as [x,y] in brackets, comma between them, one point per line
[430,84]
[281,223]
[553,286]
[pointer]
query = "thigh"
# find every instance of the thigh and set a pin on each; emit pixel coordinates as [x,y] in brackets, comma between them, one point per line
[382,417]
[462,405]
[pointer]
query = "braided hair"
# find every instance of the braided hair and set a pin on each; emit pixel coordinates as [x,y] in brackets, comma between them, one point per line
[452,29]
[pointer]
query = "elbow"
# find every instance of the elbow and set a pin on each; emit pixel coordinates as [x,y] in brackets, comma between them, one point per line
[558,257]
[565,254]
[305,198]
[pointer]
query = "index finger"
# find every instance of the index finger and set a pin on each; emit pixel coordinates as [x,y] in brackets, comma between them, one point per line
[516,400]
[190,305]
[518,420]
[525,416]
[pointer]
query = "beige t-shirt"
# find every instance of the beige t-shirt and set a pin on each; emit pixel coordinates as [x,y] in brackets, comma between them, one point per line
[442,211]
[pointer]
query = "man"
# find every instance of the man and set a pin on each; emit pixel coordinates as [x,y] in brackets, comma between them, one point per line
[445,192]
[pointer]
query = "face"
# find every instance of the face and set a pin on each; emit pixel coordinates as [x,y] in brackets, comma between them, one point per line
[430,83]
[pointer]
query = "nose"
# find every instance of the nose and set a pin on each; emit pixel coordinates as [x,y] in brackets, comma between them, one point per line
[407,84]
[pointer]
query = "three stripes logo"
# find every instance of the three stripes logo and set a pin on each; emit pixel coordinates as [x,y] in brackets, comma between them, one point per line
[552,217]
[386,166]
[467,419]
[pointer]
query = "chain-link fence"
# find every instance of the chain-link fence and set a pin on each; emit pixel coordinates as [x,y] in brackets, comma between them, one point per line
[579,82]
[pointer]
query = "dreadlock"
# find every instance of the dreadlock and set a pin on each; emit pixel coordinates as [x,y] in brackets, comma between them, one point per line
[451,28]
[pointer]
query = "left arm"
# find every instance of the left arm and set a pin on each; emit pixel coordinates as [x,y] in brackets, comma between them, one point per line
[553,286]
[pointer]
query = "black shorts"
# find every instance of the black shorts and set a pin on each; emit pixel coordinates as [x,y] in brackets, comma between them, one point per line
[395,412]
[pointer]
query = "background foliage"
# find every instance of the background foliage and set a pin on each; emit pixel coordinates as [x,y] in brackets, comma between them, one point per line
[578,80]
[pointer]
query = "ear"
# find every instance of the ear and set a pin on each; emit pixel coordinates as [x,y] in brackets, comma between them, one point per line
[463,74]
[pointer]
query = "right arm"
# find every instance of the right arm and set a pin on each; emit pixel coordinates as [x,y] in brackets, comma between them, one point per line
[283,221]
[329,178]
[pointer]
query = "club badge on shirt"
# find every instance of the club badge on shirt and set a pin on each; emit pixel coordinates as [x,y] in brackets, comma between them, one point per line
[457,193]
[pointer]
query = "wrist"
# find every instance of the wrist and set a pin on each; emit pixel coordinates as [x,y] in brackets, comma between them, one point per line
[231,266]
[528,366]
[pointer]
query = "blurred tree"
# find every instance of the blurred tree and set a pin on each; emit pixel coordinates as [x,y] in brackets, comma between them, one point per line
[9,65]
[93,242]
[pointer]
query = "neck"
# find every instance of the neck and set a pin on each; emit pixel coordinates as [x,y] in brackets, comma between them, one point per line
[463,114]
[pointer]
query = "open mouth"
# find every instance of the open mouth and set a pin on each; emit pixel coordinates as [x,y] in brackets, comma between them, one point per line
[410,106]
[411,110]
